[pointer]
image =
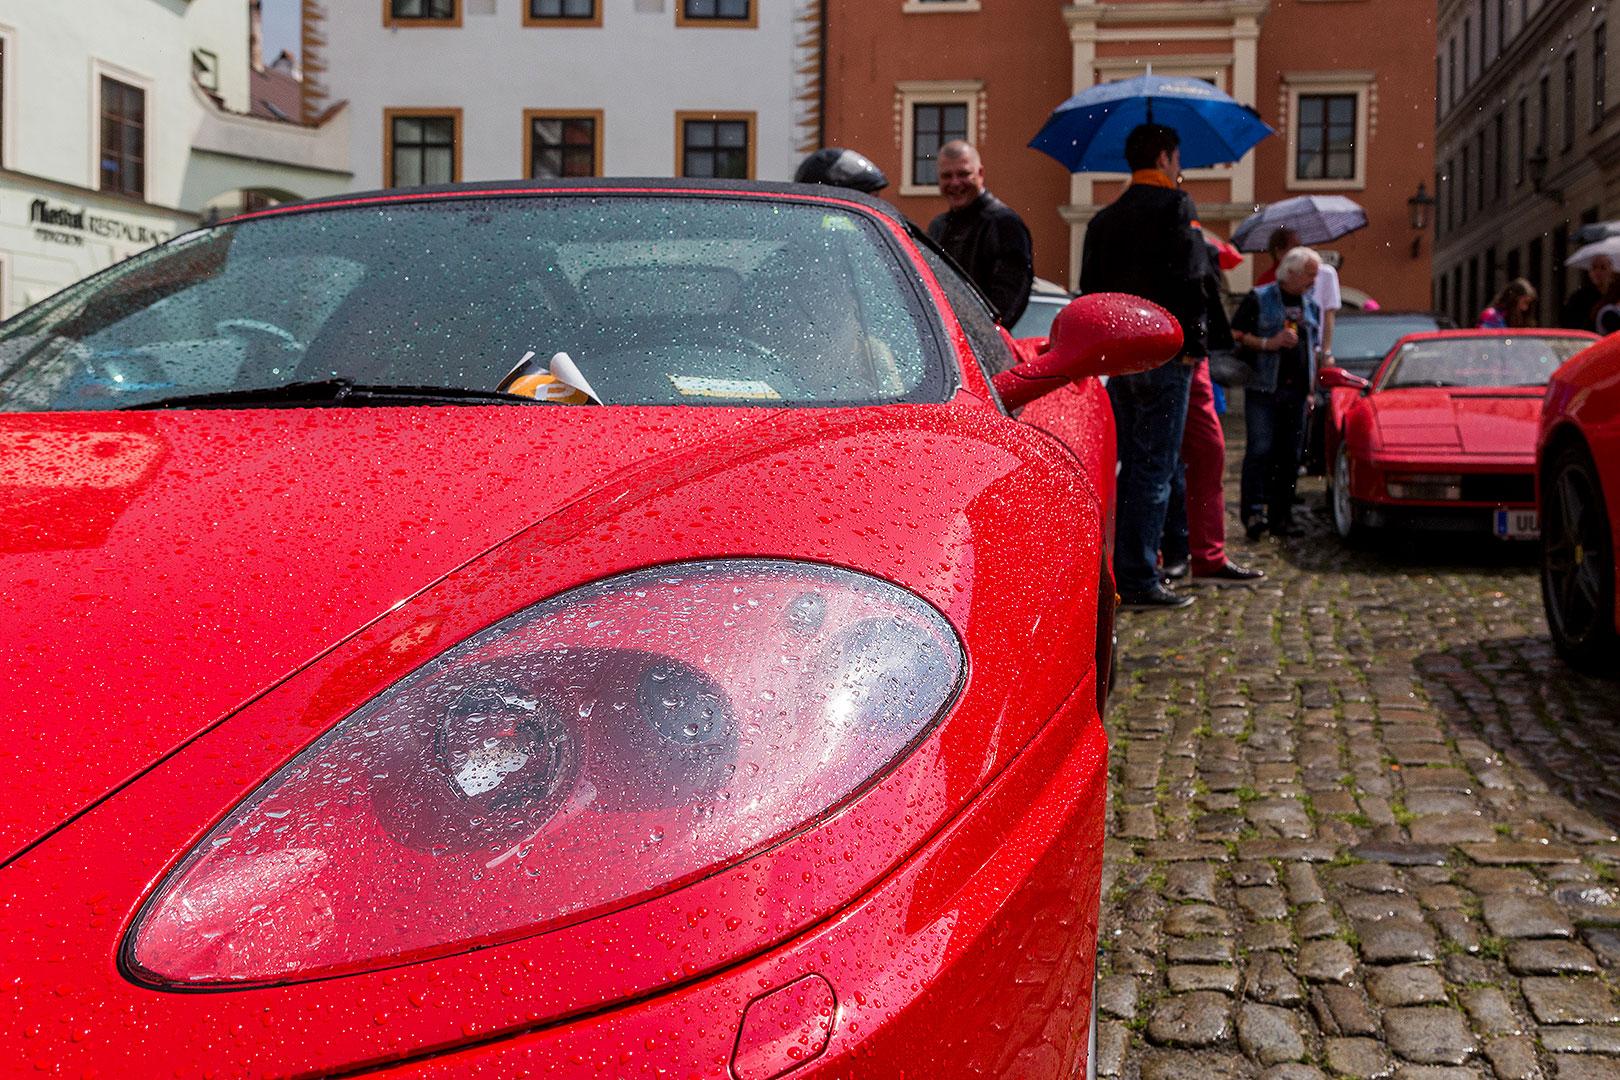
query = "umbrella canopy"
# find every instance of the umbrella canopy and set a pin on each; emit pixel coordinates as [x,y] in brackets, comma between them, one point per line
[1582,259]
[1315,219]
[1087,132]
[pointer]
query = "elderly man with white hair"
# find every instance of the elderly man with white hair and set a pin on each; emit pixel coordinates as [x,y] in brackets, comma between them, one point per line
[1281,323]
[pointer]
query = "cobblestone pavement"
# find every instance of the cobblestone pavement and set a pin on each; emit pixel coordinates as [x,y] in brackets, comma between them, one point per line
[1363,824]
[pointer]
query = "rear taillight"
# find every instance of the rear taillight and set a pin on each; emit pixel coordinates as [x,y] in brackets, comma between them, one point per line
[588,752]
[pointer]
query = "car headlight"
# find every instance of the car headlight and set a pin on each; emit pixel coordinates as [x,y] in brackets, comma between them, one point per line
[588,752]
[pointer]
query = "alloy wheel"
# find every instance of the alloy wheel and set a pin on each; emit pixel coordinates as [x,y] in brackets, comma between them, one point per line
[1577,562]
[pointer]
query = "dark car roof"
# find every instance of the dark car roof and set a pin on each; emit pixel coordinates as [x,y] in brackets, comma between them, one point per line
[656,185]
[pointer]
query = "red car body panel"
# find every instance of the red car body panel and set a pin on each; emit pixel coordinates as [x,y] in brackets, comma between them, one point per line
[1437,430]
[1583,400]
[194,597]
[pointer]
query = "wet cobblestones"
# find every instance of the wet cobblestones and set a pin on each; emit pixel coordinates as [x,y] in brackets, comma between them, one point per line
[1363,824]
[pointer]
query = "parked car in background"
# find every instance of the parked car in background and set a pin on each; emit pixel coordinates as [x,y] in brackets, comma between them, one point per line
[1046,299]
[1578,493]
[1443,435]
[536,627]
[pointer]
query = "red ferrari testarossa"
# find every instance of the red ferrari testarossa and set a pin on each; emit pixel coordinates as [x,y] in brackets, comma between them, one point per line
[559,629]
[1443,435]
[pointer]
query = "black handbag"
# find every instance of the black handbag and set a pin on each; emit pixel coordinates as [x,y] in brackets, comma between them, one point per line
[1231,367]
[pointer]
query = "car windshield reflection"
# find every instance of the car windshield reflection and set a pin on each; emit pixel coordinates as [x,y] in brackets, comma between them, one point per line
[607,299]
[1479,362]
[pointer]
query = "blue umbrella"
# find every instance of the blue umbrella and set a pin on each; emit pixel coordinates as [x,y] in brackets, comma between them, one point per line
[1315,219]
[1087,132]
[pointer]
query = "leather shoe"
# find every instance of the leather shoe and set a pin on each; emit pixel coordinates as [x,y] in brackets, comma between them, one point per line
[1254,525]
[1231,574]
[1158,598]
[1174,571]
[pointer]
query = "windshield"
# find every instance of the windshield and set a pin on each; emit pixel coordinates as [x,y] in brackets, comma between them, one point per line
[1369,337]
[620,299]
[1479,361]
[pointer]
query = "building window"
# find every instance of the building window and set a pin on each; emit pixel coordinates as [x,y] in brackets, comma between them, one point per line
[1544,114]
[1445,298]
[1479,177]
[1569,102]
[1462,190]
[1468,53]
[915,6]
[123,138]
[715,145]
[1532,269]
[1457,297]
[1451,63]
[563,13]
[1501,25]
[1600,71]
[1326,137]
[421,12]
[932,126]
[424,146]
[560,144]
[931,115]
[1484,50]
[1513,265]
[716,13]
[1522,151]
[1499,160]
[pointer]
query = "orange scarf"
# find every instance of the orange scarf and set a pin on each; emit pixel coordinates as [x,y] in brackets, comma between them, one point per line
[1151,177]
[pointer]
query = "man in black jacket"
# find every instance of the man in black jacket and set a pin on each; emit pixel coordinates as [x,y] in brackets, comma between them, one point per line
[1145,243]
[984,235]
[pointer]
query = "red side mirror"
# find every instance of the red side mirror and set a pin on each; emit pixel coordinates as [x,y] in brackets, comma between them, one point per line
[1336,378]
[1099,334]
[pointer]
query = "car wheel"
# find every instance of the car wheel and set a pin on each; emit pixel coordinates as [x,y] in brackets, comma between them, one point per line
[1577,564]
[1346,514]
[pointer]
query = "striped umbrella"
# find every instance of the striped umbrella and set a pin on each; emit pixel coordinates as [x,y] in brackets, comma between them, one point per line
[1315,219]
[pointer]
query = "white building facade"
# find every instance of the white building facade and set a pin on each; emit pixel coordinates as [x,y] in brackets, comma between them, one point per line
[123,123]
[449,90]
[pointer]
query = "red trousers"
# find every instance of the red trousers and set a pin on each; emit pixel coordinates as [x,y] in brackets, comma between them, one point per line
[1203,452]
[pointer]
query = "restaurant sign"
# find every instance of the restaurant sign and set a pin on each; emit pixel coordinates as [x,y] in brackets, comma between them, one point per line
[66,225]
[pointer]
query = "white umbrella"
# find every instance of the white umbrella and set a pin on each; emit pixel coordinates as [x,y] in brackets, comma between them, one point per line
[1608,247]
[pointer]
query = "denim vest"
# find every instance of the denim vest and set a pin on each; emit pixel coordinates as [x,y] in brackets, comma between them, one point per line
[1272,318]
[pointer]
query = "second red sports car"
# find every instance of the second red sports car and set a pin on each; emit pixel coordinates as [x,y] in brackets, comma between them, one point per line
[1443,435]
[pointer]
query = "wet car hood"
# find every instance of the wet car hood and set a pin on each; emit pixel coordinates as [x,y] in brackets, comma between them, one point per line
[160,570]
[1490,422]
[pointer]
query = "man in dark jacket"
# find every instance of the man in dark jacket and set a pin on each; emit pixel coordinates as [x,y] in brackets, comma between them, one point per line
[984,235]
[1145,243]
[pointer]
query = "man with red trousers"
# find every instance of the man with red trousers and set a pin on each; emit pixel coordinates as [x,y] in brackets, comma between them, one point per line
[1195,524]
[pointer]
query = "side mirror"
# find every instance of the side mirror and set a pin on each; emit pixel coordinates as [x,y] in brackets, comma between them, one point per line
[1336,378]
[1099,334]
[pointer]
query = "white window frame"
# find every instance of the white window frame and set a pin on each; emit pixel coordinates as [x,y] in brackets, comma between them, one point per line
[8,100]
[1358,83]
[1215,69]
[937,7]
[951,92]
[148,86]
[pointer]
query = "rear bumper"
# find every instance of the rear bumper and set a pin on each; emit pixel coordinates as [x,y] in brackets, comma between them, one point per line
[975,958]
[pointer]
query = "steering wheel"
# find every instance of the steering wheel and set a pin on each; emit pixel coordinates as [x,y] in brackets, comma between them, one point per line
[237,327]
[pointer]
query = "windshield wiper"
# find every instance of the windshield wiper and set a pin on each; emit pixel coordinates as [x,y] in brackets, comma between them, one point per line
[334,393]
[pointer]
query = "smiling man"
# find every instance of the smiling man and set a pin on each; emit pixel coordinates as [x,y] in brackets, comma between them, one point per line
[984,235]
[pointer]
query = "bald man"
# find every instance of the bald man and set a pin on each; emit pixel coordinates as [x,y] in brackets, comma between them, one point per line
[984,235]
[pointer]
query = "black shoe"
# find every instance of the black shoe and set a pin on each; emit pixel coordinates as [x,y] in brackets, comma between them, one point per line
[1287,529]
[1157,598]
[1254,525]
[1174,571]
[1232,574]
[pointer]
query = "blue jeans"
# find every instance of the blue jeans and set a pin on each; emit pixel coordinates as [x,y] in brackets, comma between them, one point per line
[1150,411]
[1276,424]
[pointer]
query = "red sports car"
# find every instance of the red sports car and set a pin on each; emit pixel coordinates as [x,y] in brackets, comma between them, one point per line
[567,630]
[1578,484]
[1443,435]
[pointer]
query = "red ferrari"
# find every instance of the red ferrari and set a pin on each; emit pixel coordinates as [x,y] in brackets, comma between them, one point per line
[1578,484]
[1443,435]
[567,630]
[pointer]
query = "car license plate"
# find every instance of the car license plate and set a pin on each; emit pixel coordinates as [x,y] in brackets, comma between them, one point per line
[1517,524]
